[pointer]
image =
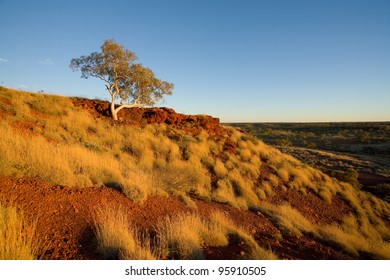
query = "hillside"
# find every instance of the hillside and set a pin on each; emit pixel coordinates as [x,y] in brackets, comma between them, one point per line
[161,185]
[353,152]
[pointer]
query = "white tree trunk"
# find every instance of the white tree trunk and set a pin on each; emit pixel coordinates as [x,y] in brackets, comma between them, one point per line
[114,113]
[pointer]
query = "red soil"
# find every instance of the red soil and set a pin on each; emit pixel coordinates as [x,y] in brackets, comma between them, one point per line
[64,218]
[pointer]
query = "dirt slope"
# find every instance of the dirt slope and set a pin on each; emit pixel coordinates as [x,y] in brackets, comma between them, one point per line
[65,220]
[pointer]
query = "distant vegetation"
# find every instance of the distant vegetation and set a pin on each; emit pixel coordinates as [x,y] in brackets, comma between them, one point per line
[368,141]
[367,138]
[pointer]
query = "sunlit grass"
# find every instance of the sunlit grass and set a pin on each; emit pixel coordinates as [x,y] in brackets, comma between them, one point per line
[17,237]
[117,238]
[185,236]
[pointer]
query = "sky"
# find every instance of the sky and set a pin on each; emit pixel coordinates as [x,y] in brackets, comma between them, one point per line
[241,60]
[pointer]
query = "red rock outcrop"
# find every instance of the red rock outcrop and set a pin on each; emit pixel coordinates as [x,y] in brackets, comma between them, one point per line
[192,124]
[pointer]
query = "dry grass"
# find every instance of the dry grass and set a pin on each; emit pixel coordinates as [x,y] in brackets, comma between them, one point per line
[17,238]
[58,163]
[233,232]
[182,237]
[185,236]
[220,169]
[354,243]
[117,238]
[326,195]
[289,219]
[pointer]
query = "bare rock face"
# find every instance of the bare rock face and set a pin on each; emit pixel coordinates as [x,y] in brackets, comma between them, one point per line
[190,123]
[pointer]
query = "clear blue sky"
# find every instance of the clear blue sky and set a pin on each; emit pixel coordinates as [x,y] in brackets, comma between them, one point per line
[264,60]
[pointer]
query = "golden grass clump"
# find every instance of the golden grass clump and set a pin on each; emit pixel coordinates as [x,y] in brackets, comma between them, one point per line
[243,190]
[180,177]
[225,193]
[117,238]
[232,232]
[354,243]
[220,169]
[260,194]
[17,238]
[326,195]
[283,174]
[182,237]
[288,218]
[351,243]
[185,236]
[273,180]
[245,154]
[267,188]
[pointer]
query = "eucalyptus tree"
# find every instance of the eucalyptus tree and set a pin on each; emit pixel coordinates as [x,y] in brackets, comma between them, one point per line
[128,82]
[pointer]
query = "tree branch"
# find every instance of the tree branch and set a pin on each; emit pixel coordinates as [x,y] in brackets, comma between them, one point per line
[127,106]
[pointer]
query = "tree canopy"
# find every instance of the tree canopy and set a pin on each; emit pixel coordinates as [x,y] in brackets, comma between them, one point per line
[128,82]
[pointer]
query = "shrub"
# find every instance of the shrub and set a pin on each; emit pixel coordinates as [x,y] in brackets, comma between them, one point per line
[261,194]
[273,180]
